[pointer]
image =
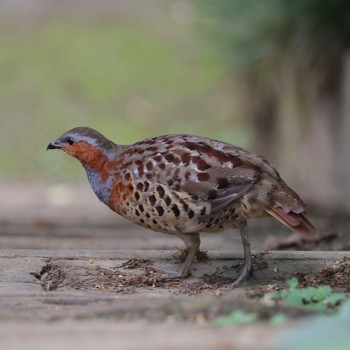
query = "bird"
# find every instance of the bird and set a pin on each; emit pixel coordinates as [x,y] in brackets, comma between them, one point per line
[182,185]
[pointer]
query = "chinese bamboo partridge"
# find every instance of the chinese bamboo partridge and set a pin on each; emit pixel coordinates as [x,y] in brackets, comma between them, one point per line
[183,185]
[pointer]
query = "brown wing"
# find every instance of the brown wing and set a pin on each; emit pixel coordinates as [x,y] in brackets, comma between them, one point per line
[223,186]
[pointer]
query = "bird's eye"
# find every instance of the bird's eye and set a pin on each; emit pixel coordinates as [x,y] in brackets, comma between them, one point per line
[70,141]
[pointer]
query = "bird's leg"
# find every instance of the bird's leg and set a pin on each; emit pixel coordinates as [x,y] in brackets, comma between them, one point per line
[192,242]
[246,268]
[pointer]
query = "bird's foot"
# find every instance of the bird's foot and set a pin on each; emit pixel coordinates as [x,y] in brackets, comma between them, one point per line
[245,271]
[168,274]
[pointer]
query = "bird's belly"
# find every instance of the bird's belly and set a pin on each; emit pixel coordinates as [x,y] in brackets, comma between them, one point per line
[156,207]
[173,218]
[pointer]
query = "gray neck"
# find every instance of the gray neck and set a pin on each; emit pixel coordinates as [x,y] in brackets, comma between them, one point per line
[102,190]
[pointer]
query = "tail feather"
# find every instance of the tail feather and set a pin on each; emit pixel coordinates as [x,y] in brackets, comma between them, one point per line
[296,222]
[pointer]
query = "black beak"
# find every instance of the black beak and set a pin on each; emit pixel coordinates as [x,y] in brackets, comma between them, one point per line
[57,144]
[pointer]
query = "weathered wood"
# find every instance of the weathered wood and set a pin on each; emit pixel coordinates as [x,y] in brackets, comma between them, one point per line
[89,316]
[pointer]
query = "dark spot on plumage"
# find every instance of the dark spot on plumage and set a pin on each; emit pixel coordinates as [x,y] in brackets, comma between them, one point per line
[152,199]
[221,156]
[152,149]
[177,187]
[193,146]
[127,176]
[137,213]
[204,176]
[140,170]
[138,161]
[158,158]
[185,207]
[131,187]
[167,201]
[161,166]
[146,142]
[140,151]
[222,182]
[146,184]
[149,165]
[203,211]
[154,221]
[175,210]
[148,215]
[141,208]
[169,157]
[190,214]
[212,194]
[208,225]
[177,160]
[186,158]
[160,210]
[201,163]
[139,186]
[137,196]
[149,176]
[170,182]
[217,221]
[187,175]
[160,191]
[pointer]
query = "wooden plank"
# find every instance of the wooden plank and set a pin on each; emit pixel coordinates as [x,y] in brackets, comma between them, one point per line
[164,315]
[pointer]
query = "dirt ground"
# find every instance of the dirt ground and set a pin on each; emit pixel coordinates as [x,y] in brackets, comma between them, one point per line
[75,274]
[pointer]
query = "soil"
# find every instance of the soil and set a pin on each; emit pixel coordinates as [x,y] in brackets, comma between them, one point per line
[55,276]
[337,276]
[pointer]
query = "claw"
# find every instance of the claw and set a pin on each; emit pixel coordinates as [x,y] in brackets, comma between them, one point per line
[168,274]
[245,271]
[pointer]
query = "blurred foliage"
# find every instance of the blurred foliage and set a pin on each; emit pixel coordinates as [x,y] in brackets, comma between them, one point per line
[236,318]
[125,78]
[254,33]
[288,60]
[133,77]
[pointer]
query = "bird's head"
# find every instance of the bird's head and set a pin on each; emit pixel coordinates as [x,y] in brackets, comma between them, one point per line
[83,143]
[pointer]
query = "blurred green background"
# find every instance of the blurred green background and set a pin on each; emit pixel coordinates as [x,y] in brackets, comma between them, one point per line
[270,76]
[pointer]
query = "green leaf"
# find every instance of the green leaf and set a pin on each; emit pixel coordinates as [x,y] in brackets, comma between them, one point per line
[319,298]
[293,283]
